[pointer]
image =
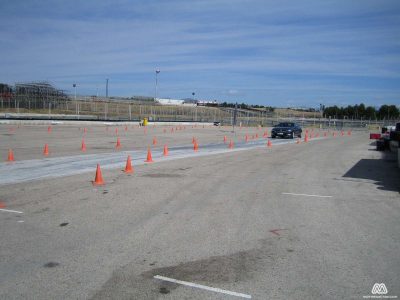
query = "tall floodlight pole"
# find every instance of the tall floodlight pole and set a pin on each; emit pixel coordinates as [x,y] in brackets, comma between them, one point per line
[195,110]
[157,71]
[107,88]
[74,86]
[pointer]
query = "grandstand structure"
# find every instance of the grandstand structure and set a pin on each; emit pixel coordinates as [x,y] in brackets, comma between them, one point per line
[30,95]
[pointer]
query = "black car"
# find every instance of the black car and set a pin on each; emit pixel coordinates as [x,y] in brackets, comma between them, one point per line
[287,129]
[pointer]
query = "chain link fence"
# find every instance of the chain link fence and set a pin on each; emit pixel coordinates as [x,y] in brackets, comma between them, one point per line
[108,110]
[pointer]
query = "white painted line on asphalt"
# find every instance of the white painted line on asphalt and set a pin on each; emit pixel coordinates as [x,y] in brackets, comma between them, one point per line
[13,211]
[307,195]
[204,287]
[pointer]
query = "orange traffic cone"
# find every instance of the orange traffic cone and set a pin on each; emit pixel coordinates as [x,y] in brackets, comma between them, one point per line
[246,138]
[128,166]
[84,130]
[116,130]
[49,129]
[10,155]
[165,150]
[46,150]
[349,132]
[154,141]
[195,146]
[83,146]
[98,180]
[342,133]
[269,144]
[306,138]
[149,157]
[193,140]
[230,146]
[118,144]
[256,135]
[225,139]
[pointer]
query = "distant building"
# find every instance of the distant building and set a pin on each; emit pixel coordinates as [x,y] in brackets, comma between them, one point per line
[207,103]
[170,101]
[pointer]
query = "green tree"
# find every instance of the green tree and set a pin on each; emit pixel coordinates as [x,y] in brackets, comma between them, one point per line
[370,113]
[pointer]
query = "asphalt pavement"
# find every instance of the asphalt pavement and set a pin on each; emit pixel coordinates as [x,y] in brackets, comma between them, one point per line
[317,220]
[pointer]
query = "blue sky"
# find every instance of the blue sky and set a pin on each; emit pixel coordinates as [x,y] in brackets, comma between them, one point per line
[279,53]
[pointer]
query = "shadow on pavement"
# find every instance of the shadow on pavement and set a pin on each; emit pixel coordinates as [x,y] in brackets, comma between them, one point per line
[383,171]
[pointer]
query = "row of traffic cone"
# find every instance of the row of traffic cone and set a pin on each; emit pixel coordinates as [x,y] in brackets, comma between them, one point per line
[98,180]
[11,158]
[46,151]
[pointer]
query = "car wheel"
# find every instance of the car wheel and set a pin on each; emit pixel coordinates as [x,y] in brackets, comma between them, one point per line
[292,135]
[273,136]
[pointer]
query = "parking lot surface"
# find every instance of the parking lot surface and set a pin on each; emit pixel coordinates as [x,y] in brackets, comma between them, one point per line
[315,220]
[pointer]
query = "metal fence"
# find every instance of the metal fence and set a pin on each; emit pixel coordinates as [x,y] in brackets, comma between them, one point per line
[93,109]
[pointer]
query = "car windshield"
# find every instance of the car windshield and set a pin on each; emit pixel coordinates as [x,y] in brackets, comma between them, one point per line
[285,125]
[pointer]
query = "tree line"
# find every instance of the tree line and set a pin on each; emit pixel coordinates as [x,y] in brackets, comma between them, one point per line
[247,106]
[360,111]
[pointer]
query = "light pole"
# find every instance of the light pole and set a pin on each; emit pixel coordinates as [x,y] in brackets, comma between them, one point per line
[76,103]
[157,71]
[74,86]
[195,110]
